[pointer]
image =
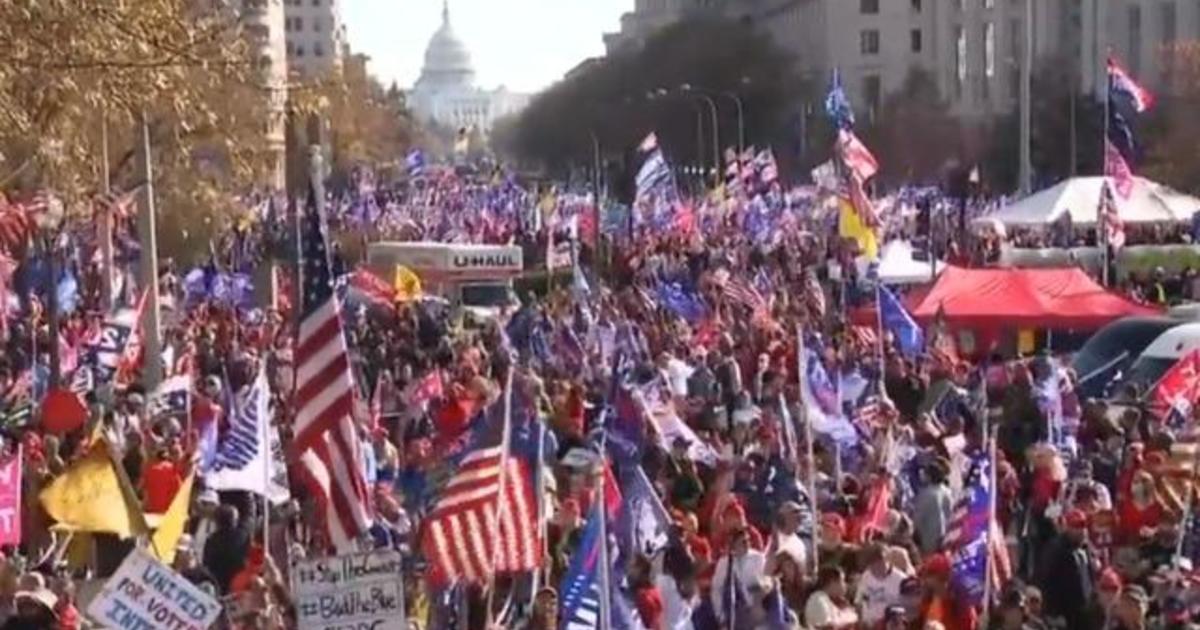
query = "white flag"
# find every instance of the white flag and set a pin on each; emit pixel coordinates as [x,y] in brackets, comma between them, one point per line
[249,456]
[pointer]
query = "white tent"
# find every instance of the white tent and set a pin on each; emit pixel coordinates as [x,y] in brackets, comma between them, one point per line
[897,265]
[1080,196]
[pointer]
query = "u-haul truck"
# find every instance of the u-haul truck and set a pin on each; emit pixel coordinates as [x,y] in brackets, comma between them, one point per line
[479,278]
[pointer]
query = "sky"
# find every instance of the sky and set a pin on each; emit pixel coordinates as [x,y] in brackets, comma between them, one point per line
[525,45]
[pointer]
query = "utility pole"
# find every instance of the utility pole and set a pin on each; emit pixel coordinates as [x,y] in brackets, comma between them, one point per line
[106,220]
[1026,170]
[152,368]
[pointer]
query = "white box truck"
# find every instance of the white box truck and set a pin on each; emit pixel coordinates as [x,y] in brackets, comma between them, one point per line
[478,278]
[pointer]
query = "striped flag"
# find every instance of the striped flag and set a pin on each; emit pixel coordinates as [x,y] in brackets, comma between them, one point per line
[856,156]
[654,175]
[116,204]
[1118,169]
[327,445]
[1110,219]
[742,292]
[485,520]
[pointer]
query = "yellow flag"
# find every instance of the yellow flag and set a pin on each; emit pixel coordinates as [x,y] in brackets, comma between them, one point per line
[93,495]
[407,285]
[849,226]
[172,522]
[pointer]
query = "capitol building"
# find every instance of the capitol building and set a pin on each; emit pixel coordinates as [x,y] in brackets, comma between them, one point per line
[446,95]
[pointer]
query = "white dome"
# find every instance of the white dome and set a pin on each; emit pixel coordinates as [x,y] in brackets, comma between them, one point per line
[447,61]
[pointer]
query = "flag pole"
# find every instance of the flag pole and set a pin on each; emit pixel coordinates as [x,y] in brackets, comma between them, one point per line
[1101,227]
[605,579]
[801,374]
[988,567]
[152,369]
[501,489]
[106,220]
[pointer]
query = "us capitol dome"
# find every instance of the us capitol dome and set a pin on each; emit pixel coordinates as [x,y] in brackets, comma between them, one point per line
[446,95]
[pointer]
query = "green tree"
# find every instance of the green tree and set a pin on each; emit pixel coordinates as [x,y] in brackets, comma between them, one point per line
[915,134]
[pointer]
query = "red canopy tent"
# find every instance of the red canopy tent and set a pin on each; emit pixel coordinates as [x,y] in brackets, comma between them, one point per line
[1064,298]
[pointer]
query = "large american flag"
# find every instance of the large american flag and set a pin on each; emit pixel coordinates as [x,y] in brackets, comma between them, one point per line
[473,531]
[327,446]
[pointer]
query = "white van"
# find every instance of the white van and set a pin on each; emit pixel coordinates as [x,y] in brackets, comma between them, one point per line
[479,278]
[1161,354]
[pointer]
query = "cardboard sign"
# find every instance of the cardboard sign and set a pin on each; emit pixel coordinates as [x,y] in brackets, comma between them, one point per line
[359,591]
[145,594]
[10,500]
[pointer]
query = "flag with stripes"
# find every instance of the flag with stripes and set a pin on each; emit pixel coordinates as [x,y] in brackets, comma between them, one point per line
[245,458]
[1122,84]
[106,349]
[485,519]
[1110,219]
[326,445]
[856,156]
[1178,389]
[654,175]
[1117,168]
[116,204]
[739,291]
[974,541]
[82,381]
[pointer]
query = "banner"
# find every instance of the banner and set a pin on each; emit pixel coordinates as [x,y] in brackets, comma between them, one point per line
[352,591]
[10,500]
[144,593]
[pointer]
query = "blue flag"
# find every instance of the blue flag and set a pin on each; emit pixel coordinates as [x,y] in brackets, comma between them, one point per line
[966,542]
[909,336]
[837,106]
[644,521]
[682,301]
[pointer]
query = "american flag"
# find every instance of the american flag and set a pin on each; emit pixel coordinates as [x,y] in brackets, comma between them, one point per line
[116,204]
[1118,169]
[856,156]
[864,335]
[869,414]
[1121,83]
[742,292]
[1110,219]
[327,445]
[974,540]
[474,531]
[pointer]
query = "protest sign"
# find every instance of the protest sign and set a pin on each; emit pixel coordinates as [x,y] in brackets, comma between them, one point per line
[10,500]
[146,595]
[359,591]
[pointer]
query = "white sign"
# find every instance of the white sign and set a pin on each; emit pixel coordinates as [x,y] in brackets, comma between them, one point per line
[359,591]
[146,595]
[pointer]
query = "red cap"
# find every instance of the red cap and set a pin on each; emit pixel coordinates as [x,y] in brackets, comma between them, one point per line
[1075,519]
[937,565]
[1109,580]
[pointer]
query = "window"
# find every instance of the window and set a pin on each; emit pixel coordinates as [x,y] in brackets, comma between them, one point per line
[960,59]
[316,3]
[868,7]
[872,94]
[914,40]
[318,50]
[916,5]
[1135,39]
[299,50]
[297,24]
[316,25]
[989,4]
[869,42]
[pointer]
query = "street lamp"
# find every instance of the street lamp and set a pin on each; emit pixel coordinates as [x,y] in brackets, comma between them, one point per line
[48,222]
[716,129]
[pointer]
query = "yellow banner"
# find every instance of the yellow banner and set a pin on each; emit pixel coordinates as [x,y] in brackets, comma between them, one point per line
[93,496]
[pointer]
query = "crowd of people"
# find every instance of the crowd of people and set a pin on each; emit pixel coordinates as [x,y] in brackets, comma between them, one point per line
[805,472]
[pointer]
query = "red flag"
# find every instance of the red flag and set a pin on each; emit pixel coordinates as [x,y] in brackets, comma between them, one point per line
[685,218]
[1179,388]
[427,389]
[872,515]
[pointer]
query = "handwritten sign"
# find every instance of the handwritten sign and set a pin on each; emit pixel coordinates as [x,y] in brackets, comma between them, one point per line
[10,500]
[361,591]
[146,595]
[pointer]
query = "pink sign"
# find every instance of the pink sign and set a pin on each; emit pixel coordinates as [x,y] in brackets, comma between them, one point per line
[10,500]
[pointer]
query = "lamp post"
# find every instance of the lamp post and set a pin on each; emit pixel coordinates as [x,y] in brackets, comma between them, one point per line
[48,223]
[741,119]
[716,128]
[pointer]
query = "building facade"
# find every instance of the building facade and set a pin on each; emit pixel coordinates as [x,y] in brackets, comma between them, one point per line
[263,25]
[445,93]
[316,36]
[973,48]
